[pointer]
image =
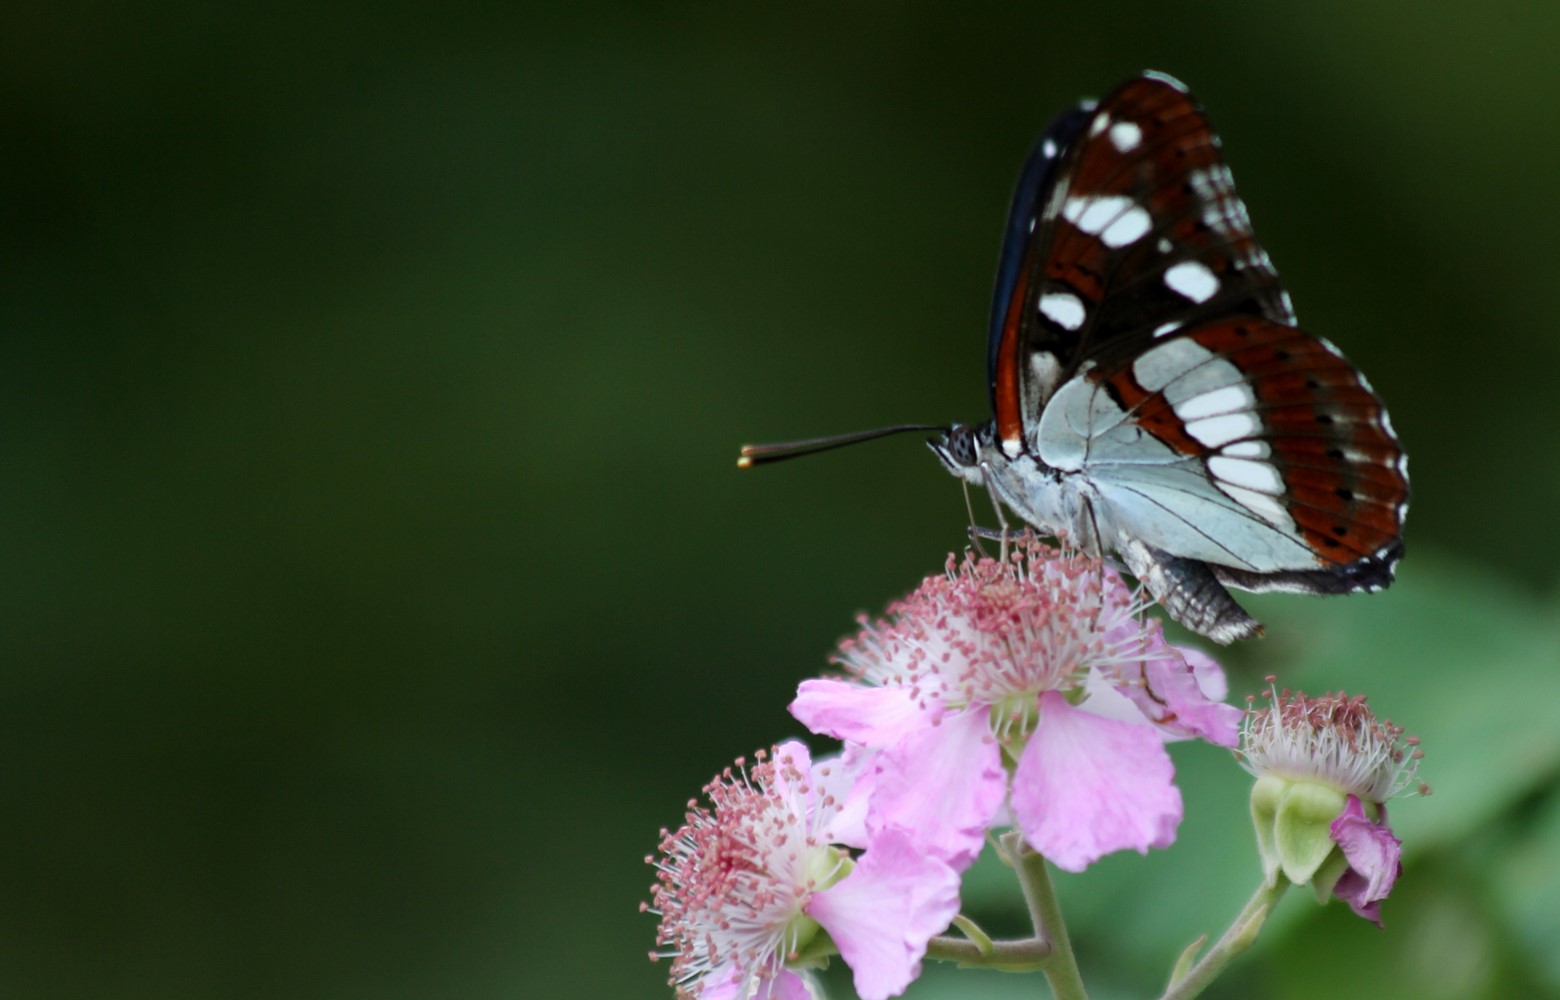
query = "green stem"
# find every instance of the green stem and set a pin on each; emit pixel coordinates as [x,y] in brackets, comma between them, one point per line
[1242,932]
[1007,956]
[1061,969]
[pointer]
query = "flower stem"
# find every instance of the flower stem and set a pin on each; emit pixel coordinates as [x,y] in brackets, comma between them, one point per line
[1007,956]
[1061,968]
[1242,932]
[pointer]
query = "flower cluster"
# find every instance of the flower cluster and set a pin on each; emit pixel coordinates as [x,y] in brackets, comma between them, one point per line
[1029,692]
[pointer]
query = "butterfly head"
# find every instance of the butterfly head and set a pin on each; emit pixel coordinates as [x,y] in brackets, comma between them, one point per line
[959,449]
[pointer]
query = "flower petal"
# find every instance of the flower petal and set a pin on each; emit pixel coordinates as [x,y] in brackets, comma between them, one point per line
[1104,699]
[942,785]
[1210,676]
[842,795]
[884,912]
[1087,786]
[1375,860]
[871,716]
[722,983]
[786,986]
[728,984]
[1167,686]
[792,779]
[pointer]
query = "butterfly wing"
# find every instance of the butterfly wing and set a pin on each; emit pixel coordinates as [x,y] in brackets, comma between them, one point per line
[1141,337]
[1246,444]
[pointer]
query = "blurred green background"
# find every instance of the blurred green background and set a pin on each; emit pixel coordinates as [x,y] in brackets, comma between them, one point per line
[378,579]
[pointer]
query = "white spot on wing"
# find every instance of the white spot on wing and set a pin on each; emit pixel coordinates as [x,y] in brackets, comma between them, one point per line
[1215,432]
[1222,212]
[1192,279]
[1166,328]
[1044,370]
[1247,449]
[1260,504]
[1062,308]
[1048,149]
[1134,222]
[1100,124]
[1125,136]
[1226,400]
[1114,218]
[1259,476]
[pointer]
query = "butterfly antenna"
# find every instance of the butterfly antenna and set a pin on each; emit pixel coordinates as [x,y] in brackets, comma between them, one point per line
[767,454]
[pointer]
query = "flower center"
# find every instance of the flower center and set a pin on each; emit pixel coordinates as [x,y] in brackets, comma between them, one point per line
[1013,717]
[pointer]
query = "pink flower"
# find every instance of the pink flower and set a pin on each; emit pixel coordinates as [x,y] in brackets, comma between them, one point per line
[1032,682]
[753,890]
[1325,769]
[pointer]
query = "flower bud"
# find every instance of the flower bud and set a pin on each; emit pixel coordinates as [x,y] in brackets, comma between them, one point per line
[1325,767]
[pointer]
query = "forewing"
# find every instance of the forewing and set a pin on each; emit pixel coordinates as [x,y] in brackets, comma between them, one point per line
[1010,297]
[1135,229]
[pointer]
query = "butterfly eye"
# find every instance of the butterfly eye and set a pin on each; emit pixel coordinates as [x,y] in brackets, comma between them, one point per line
[963,445]
[958,448]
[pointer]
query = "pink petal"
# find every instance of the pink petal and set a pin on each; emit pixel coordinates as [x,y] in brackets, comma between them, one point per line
[786,986]
[788,755]
[1088,786]
[728,984]
[1167,687]
[721,983]
[842,795]
[871,716]
[884,912]
[942,785]
[1375,859]
[1210,676]
[1104,699]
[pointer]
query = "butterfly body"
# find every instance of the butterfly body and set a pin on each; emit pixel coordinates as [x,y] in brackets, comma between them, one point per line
[1151,393]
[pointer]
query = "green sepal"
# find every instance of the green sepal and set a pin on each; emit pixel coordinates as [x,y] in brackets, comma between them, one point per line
[1327,876]
[1266,795]
[1302,828]
[814,947]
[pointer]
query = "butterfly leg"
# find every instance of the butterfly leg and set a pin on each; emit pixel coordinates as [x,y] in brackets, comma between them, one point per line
[1088,539]
[996,505]
[1188,590]
[976,532]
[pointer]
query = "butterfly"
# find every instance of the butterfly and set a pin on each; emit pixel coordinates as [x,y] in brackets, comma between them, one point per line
[1151,394]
